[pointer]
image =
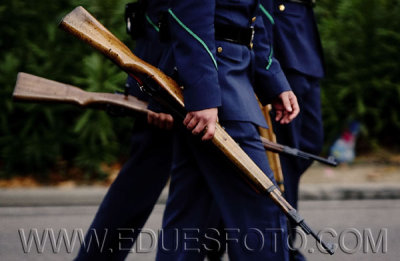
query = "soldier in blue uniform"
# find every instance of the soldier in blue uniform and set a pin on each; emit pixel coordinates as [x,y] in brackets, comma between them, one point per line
[149,164]
[132,196]
[297,47]
[211,45]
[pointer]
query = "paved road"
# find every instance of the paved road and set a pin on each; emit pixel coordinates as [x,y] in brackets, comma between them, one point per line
[358,228]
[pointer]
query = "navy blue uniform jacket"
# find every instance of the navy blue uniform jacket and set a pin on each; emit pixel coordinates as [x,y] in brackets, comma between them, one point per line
[296,38]
[208,84]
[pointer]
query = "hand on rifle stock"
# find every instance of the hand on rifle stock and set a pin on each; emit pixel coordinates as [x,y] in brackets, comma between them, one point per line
[202,121]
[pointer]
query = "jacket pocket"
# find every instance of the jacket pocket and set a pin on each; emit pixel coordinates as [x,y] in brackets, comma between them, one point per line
[229,51]
[286,8]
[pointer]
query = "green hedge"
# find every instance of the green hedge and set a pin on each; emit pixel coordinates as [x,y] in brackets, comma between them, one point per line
[38,138]
[361,40]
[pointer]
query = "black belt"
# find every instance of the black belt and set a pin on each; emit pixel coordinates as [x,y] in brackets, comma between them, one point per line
[304,2]
[234,34]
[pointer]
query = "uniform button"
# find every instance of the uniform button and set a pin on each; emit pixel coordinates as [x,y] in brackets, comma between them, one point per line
[219,49]
[251,45]
[282,8]
[253,19]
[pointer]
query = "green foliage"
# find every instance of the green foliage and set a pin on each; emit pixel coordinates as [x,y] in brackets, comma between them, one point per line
[35,138]
[361,40]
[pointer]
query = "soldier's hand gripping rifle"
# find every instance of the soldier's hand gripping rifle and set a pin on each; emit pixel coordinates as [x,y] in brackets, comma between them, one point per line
[34,88]
[84,26]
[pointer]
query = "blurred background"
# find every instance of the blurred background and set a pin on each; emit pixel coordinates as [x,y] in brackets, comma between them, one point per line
[56,142]
[69,155]
[53,143]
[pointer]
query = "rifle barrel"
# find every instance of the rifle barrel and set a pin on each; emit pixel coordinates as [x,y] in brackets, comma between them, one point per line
[279,148]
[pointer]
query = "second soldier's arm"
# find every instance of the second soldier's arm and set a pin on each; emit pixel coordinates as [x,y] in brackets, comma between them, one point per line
[271,84]
[191,27]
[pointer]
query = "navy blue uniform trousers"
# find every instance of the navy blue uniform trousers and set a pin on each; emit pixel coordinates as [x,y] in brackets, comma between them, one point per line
[298,48]
[207,191]
[205,183]
[131,197]
[304,132]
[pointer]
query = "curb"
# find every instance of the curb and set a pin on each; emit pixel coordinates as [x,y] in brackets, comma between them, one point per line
[81,196]
[349,192]
[53,196]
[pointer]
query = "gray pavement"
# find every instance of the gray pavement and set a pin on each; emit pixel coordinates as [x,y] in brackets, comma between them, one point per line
[360,230]
[340,203]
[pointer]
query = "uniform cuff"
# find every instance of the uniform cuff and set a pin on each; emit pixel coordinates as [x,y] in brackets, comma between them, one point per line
[270,88]
[204,94]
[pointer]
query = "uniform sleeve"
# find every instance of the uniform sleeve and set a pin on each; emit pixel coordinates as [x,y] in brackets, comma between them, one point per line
[191,29]
[270,81]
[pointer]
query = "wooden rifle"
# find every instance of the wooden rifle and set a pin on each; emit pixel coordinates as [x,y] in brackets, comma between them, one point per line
[273,158]
[84,26]
[29,87]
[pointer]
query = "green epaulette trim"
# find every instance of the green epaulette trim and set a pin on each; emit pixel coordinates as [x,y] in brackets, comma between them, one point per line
[267,14]
[152,23]
[270,59]
[194,36]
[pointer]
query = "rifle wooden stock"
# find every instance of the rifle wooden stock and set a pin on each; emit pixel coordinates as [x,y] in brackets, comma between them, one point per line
[84,26]
[273,158]
[33,88]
